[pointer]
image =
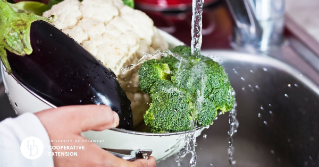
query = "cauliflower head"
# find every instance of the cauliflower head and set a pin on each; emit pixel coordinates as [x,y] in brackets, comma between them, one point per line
[115,34]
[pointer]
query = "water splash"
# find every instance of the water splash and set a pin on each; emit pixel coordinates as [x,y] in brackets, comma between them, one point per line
[204,136]
[196,31]
[233,122]
[145,57]
[190,140]
[149,56]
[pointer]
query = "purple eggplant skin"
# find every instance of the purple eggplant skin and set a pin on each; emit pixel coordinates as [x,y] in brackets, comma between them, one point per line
[64,73]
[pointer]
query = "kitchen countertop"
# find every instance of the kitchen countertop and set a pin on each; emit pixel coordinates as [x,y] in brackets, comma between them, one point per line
[305,13]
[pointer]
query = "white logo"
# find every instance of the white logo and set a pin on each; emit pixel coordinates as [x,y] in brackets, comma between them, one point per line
[31,147]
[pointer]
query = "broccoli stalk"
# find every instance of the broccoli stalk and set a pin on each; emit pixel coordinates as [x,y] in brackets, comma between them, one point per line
[187,91]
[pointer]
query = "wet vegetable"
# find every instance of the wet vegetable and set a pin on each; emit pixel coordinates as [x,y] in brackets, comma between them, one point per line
[56,67]
[187,91]
[64,73]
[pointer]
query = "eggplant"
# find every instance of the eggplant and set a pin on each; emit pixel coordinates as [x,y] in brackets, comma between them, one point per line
[62,72]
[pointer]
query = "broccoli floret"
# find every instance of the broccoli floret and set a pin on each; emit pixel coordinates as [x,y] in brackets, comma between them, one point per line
[150,72]
[190,95]
[170,110]
[171,61]
[223,98]
[182,51]
[206,111]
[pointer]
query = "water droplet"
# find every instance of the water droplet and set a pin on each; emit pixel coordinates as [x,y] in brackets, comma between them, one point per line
[289,85]
[296,85]
[211,164]
[215,118]
[310,157]
[204,136]
[286,95]
[251,71]
[270,112]
[249,86]
[269,105]
[51,35]
[235,71]
[265,69]
[257,87]
[70,90]
[272,151]
[265,122]
[261,107]
[242,78]
[80,101]
[243,88]
[259,115]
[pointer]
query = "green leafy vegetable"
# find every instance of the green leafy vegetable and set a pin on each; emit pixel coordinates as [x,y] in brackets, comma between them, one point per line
[129,3]
[30,7]
[53,2]
[15,32]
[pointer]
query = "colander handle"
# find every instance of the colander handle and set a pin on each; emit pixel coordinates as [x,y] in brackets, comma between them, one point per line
[130,155]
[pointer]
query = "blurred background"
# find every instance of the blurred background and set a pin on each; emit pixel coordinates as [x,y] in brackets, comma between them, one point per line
[305,14]
[174,16]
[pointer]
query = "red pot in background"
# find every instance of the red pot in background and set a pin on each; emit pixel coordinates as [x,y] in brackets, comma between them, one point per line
[217,25]
[165,5]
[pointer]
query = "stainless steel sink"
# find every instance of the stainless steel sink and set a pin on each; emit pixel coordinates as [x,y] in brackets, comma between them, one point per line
[278,113]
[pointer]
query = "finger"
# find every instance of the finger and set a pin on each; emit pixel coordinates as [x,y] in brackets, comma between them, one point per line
[150,162]
[98,117]
[86,117]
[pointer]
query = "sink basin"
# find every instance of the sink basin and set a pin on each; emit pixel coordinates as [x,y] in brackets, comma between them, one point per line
[278,113]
